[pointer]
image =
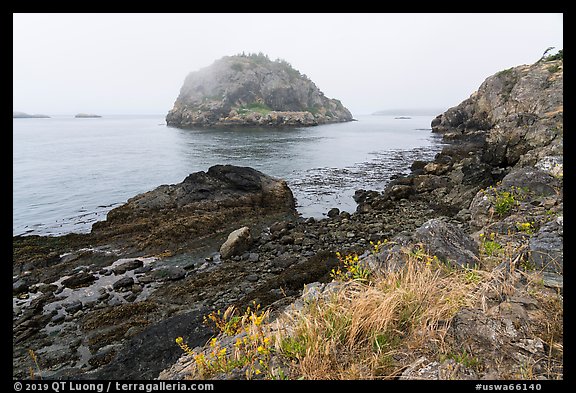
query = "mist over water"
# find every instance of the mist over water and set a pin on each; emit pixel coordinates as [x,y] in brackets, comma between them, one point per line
[68,173]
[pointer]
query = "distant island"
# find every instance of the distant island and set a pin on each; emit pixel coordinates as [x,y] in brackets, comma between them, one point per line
[252,90]
[406,112]
[86,116]
[22,115]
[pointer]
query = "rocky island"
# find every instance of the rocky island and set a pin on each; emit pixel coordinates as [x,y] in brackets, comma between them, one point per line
[252,90]
[87,116]
[454,271]
[23,115]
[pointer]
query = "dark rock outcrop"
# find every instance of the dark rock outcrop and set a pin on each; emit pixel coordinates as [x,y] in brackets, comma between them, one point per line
[252,90]
[203,204]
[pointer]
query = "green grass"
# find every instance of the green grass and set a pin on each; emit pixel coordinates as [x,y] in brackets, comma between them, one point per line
[258,107]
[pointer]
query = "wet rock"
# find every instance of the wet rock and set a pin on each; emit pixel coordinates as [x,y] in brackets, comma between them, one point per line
[76,255]
[143,269]
[129,265]
[363,196]
[41,300]
[73,307]
[418,165]
[130,297]
[102,357]
[399,191]
[58,318]
[334,212]
[153,348]
[19,287]
[168,273]
[280,228]
[122,283]
[238,241]
[114,301]
[79,280]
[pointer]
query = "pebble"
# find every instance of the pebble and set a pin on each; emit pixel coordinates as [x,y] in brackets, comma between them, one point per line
[252,277]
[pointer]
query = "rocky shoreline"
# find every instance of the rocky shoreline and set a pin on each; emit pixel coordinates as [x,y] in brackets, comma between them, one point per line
[109,304]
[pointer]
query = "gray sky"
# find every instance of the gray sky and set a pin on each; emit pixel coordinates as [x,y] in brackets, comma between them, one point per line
[136,63]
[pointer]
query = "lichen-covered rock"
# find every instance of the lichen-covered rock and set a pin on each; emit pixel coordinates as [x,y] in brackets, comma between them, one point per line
[252,90]
[516,111]
[448,242]
[547,247]
[532,180]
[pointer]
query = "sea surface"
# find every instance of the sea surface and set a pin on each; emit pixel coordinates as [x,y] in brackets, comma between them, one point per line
[68,172]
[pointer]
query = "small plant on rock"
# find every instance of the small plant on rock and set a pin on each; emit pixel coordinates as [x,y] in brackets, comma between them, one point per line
[504,202]
[490,247]
[250,352]
[526,227]
[350,268]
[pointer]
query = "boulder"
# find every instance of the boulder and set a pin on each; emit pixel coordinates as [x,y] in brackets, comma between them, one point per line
[534,180]
[129,265]
[124,282]
[334,212]
[237,243]
[78,280]
[448,242]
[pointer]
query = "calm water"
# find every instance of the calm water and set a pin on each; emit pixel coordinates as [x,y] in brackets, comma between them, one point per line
[68,173]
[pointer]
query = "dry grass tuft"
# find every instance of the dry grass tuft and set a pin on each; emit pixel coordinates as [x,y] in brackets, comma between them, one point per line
[364,329]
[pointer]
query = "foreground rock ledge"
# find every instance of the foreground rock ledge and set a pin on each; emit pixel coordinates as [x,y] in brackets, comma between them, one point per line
[203,204]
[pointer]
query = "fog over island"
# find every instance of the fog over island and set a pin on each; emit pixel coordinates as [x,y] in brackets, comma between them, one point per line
[136,63]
